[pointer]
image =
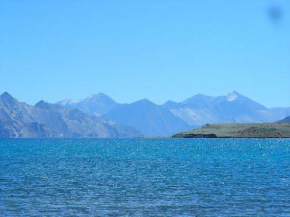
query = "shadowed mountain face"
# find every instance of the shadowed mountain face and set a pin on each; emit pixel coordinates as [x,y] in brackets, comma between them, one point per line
[20,120]
[15,118]
[149,118]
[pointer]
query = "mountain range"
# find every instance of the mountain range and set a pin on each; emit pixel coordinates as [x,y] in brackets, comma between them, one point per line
[44,120]
[147,117]
[232,108]
[171,117]
[99,116]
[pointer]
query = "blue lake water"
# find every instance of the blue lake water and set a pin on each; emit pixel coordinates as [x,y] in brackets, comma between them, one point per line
[202,177]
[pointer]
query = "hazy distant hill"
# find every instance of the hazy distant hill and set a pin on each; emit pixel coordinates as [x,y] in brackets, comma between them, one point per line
[97,105]
[173,117]
[20,120]
[285,120]
[233,108]
[147,117]
[279,113]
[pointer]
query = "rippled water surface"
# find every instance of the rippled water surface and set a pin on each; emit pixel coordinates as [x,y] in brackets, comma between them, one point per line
[145,177]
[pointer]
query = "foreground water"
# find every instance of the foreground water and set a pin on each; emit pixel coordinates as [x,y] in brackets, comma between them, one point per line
[203,177]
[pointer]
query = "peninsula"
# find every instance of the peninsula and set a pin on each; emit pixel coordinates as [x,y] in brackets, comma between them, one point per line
[269,130]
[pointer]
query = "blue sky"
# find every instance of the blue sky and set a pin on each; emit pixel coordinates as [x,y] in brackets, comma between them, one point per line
[165,49]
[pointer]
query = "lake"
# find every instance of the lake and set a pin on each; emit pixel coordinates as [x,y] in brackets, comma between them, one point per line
[143,177]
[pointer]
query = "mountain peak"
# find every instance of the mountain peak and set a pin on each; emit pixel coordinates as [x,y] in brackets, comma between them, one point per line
[7,98]
[97,104]
[100,97]
[42,104]
[144,102]
[234,95]
[200,95]
[6,95]
[198,99]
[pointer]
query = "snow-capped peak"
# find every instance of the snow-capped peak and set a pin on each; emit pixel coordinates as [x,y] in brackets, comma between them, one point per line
[233,96]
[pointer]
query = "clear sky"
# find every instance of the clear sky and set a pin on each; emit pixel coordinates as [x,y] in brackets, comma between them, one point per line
[155,49]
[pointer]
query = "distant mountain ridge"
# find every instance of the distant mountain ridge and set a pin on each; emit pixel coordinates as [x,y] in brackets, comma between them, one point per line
[97,104]
[150,119]
[172,117]
[234,107]
[44,120]
[285,120]
[99,116]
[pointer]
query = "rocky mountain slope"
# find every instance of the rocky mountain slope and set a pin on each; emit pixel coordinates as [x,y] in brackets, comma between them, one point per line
[44,120]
